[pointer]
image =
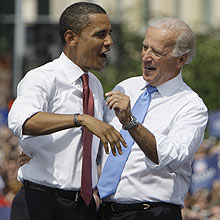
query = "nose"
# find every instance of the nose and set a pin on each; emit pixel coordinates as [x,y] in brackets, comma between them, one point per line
[146,55]
[108,40]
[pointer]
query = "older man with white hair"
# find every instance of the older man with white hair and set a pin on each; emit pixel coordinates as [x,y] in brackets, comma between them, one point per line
[163,122]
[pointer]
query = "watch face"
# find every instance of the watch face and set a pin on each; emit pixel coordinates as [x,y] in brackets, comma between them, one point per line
[131,124]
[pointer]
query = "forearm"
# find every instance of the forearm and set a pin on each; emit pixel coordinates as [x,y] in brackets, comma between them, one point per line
[146,141]
[143,137]
[43,123]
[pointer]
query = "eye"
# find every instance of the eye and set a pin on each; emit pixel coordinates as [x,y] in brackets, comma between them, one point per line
[145,47]
[157,54]
[101,34]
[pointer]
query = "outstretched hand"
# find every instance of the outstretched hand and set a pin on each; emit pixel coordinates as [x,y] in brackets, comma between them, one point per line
[106,132]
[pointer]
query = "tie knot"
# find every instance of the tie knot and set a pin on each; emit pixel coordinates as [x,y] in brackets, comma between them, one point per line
[151,89]
[85,79]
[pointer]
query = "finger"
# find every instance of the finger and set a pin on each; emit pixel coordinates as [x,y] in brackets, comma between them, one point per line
[122,140]
[114,150]
[110,100]
[118,146]
[110,93]
[112,104]
[106,148]
[20,161]
[24,159]
[113,141]
[22,154]
[21,164]
[105,144]
[27,159]
[116,102]
[116,136]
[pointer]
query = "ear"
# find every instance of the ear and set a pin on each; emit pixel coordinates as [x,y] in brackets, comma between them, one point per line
[181,60]
[71,38]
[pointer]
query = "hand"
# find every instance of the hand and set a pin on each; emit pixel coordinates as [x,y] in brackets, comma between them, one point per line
[106,132]
[121,105]
[96,198]
[23,159]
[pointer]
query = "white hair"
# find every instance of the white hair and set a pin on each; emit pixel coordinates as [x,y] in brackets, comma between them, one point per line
[185,42]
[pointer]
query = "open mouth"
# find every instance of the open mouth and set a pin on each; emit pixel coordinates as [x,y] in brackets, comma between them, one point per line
[150,68]
[104,54]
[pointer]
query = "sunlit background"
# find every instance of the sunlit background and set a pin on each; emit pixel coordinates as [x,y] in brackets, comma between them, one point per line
[29,38]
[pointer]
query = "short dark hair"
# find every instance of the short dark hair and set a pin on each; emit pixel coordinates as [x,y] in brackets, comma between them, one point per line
[76,17]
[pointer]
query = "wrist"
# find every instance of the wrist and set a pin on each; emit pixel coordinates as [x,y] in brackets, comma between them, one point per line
[133,122]
[82,119]
[76,121]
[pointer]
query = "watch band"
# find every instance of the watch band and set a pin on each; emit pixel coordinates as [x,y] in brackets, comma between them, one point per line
[131,124]
[76,124]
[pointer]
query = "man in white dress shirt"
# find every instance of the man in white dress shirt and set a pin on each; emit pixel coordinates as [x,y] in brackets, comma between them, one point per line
[156,176]
[45,118]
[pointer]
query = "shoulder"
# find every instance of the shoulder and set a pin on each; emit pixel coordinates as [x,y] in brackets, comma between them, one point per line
[45,72]
[41,77]
[192,97]
[131,84]
[188,101]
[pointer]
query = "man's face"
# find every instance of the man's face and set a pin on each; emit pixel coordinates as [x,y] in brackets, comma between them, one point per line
[93,43]
[158,66]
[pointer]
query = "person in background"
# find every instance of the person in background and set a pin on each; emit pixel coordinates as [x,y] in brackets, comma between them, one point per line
[155,176]
[57,117]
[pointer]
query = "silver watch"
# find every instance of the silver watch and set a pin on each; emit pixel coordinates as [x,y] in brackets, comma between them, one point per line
[131,124]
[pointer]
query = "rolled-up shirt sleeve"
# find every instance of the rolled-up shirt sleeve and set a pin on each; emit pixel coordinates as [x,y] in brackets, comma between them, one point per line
[32,92]
[185,136]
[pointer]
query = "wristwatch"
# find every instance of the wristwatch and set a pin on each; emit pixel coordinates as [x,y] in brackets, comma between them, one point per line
[76,123]
[131,124]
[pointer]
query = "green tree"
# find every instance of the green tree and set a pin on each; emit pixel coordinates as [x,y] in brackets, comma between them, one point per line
[203,74]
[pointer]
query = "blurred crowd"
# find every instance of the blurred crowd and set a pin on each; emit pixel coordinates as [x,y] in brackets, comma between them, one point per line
[204,204]
[9,154]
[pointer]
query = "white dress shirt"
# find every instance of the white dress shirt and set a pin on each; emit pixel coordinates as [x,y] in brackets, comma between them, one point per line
[56,159]
[177,117]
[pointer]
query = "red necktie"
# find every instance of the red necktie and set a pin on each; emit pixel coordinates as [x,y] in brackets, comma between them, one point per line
[88,108]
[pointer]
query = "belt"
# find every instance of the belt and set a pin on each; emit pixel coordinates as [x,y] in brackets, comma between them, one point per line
[118,207]
[71,195]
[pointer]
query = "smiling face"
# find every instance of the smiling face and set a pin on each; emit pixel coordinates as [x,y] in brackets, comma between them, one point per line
[158,65]
[90,47]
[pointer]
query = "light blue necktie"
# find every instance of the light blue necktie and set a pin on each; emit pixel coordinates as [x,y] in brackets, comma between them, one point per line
[114,165]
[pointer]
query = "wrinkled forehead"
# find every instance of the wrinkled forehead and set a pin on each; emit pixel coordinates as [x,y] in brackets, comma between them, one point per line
[162,37]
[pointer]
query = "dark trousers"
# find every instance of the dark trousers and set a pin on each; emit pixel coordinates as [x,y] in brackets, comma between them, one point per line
[156,213]
[31,204]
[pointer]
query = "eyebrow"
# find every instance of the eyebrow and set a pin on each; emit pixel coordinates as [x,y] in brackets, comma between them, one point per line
[156,50]
[101,32]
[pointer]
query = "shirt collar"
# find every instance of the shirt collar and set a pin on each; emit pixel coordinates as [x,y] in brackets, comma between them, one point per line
[72,71]
[169,87]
